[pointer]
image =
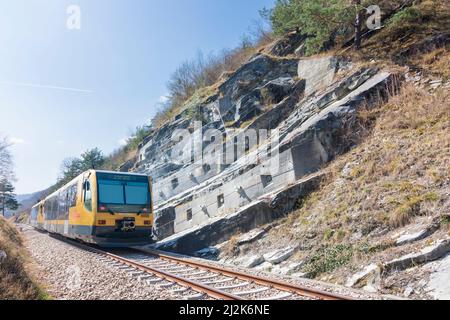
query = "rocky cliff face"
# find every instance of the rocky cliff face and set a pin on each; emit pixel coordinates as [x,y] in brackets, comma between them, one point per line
[271,123]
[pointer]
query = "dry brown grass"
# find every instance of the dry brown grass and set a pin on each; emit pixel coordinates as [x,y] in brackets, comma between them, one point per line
[400,171]
[118,158]
[231,248]
[397,41]
[436,63]
[15,281]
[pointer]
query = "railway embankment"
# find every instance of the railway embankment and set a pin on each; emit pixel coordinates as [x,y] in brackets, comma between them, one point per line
[16,278]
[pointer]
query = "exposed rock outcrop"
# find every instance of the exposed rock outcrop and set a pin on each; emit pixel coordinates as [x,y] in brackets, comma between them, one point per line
[298,115]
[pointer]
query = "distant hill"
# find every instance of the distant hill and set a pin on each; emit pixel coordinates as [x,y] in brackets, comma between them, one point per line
[27,201]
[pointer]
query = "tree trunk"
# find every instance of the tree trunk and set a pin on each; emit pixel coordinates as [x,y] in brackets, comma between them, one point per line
[358,25]
[3,206]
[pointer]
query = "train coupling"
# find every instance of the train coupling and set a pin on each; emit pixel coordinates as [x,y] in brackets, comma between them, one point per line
[126,225]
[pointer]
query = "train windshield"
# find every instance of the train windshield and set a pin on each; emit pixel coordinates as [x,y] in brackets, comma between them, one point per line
[123,193]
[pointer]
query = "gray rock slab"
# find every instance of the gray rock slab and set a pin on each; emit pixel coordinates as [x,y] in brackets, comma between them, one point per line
[431,253]
[278,256]
[411,237]
[251,236]
[250,262]
[439,284]
[317,71]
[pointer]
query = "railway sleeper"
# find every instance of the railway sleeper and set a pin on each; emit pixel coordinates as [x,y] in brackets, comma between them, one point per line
[245,293]
[153,281]
[199,273]
[281,296]
[219,281]
[144,277]
[212,276]
[167,285]
[235,286]
[181,290]
[198,296]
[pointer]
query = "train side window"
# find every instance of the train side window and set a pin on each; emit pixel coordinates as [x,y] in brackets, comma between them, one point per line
[62,205]
[73,196]
[87,195]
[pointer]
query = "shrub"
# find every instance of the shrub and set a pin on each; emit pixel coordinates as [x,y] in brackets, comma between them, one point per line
[327,259]
[403,18]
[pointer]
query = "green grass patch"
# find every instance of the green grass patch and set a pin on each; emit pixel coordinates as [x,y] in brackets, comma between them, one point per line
[327,259]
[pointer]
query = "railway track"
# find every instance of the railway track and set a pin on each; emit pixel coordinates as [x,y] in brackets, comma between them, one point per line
[199,281]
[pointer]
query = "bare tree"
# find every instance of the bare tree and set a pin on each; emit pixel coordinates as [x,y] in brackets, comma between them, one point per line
[6,170]
[7,196]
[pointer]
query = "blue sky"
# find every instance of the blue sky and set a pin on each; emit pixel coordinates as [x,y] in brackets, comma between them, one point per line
[117,66]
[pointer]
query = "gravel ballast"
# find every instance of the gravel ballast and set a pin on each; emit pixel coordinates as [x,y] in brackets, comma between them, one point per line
[69,273]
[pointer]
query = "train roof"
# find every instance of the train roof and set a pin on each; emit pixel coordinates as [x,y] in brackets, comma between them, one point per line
[122,173]
[91,171]
[37,204]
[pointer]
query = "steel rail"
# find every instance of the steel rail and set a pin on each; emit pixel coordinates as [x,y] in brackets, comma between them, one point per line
[277,284]
[203,288]
[191,284]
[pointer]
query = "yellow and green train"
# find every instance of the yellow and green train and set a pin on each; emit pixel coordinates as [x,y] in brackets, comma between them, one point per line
[109,209]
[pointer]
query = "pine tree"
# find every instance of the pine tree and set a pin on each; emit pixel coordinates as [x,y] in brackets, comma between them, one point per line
[321,20]
[7,197]
[92,159]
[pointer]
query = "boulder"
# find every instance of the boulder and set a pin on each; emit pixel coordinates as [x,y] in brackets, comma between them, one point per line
[368,279]
[127,166]
[250,262]
[287,268]
[218,230]
[278,256]
[265,266]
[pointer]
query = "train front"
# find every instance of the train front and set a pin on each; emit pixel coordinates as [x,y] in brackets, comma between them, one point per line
[124,215]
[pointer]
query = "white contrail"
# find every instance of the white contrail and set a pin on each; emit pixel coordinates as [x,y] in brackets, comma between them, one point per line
[33,85]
